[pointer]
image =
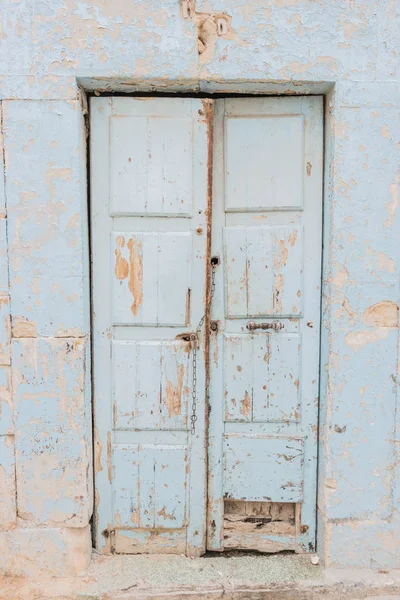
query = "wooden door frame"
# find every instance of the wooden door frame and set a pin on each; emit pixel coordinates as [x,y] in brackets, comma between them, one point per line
[90,88]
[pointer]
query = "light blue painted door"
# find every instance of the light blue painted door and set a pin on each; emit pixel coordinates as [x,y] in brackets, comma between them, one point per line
[149,215]
[264,356]
[151,162]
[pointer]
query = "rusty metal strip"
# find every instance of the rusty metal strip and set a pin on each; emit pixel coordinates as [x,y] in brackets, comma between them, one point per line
[208,106]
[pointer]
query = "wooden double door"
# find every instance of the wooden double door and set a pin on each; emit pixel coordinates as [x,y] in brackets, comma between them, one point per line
[206,220]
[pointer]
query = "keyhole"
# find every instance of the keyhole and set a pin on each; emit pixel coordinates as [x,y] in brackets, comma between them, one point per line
[215,260]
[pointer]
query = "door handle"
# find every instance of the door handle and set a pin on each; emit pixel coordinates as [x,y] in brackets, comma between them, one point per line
[275,325]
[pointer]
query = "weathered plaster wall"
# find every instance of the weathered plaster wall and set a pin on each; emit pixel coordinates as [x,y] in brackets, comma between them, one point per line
[346,48]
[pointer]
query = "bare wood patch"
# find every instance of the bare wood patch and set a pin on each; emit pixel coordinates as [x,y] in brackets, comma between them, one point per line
[136,275]
[251,525]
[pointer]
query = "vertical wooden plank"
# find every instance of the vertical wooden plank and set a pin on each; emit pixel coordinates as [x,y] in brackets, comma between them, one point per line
[150,271]
[281,399]
[128,164]
[261,343]
[174,260]
[124,383]
[170,487]
[288,270]
[126,486]
[175,384]
[260,250]
[238,376]
[127,278]
[284,379]
[136,384]
[148,392]
[235,246]
[169,177]
[147,489]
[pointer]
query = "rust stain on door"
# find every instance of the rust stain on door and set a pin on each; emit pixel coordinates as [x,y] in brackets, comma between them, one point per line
[174,394]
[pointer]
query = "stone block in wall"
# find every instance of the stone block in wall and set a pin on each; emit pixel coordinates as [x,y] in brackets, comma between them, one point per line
[47,217]
[45,87]
[16,21]
[45,552]
[7,459]
[367,94]
[388,64]
[3,254]
[364,211]
[370,306]
[5,320]
[7,483]
[2,190]
[5,330]
[6,416]
[362,544]
[360,450]
[52,431]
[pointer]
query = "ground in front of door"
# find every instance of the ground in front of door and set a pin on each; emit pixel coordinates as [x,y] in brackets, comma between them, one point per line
[237,577]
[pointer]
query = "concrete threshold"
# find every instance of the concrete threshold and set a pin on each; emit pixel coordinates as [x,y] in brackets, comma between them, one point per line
[232,576]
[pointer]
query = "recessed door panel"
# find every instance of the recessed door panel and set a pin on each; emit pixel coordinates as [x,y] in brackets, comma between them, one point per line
[263,468]
[264,271]
[262,377]
[150,485]
[151,162]
[145,265]
[151,384]
[264,161]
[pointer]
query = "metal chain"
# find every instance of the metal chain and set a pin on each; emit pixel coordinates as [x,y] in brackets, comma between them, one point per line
[194,338]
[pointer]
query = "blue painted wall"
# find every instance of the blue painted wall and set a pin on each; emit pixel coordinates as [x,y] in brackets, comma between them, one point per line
[347,50]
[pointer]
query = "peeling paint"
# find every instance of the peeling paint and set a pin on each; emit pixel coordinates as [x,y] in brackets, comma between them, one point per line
[174,393]
[382,314]
[135,275]
[121,266]
[394,190]
[285,47]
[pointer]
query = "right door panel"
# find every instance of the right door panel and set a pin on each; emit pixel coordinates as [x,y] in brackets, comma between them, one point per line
[264,355]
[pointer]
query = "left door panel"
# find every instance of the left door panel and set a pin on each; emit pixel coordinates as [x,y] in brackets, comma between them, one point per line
[149,237]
